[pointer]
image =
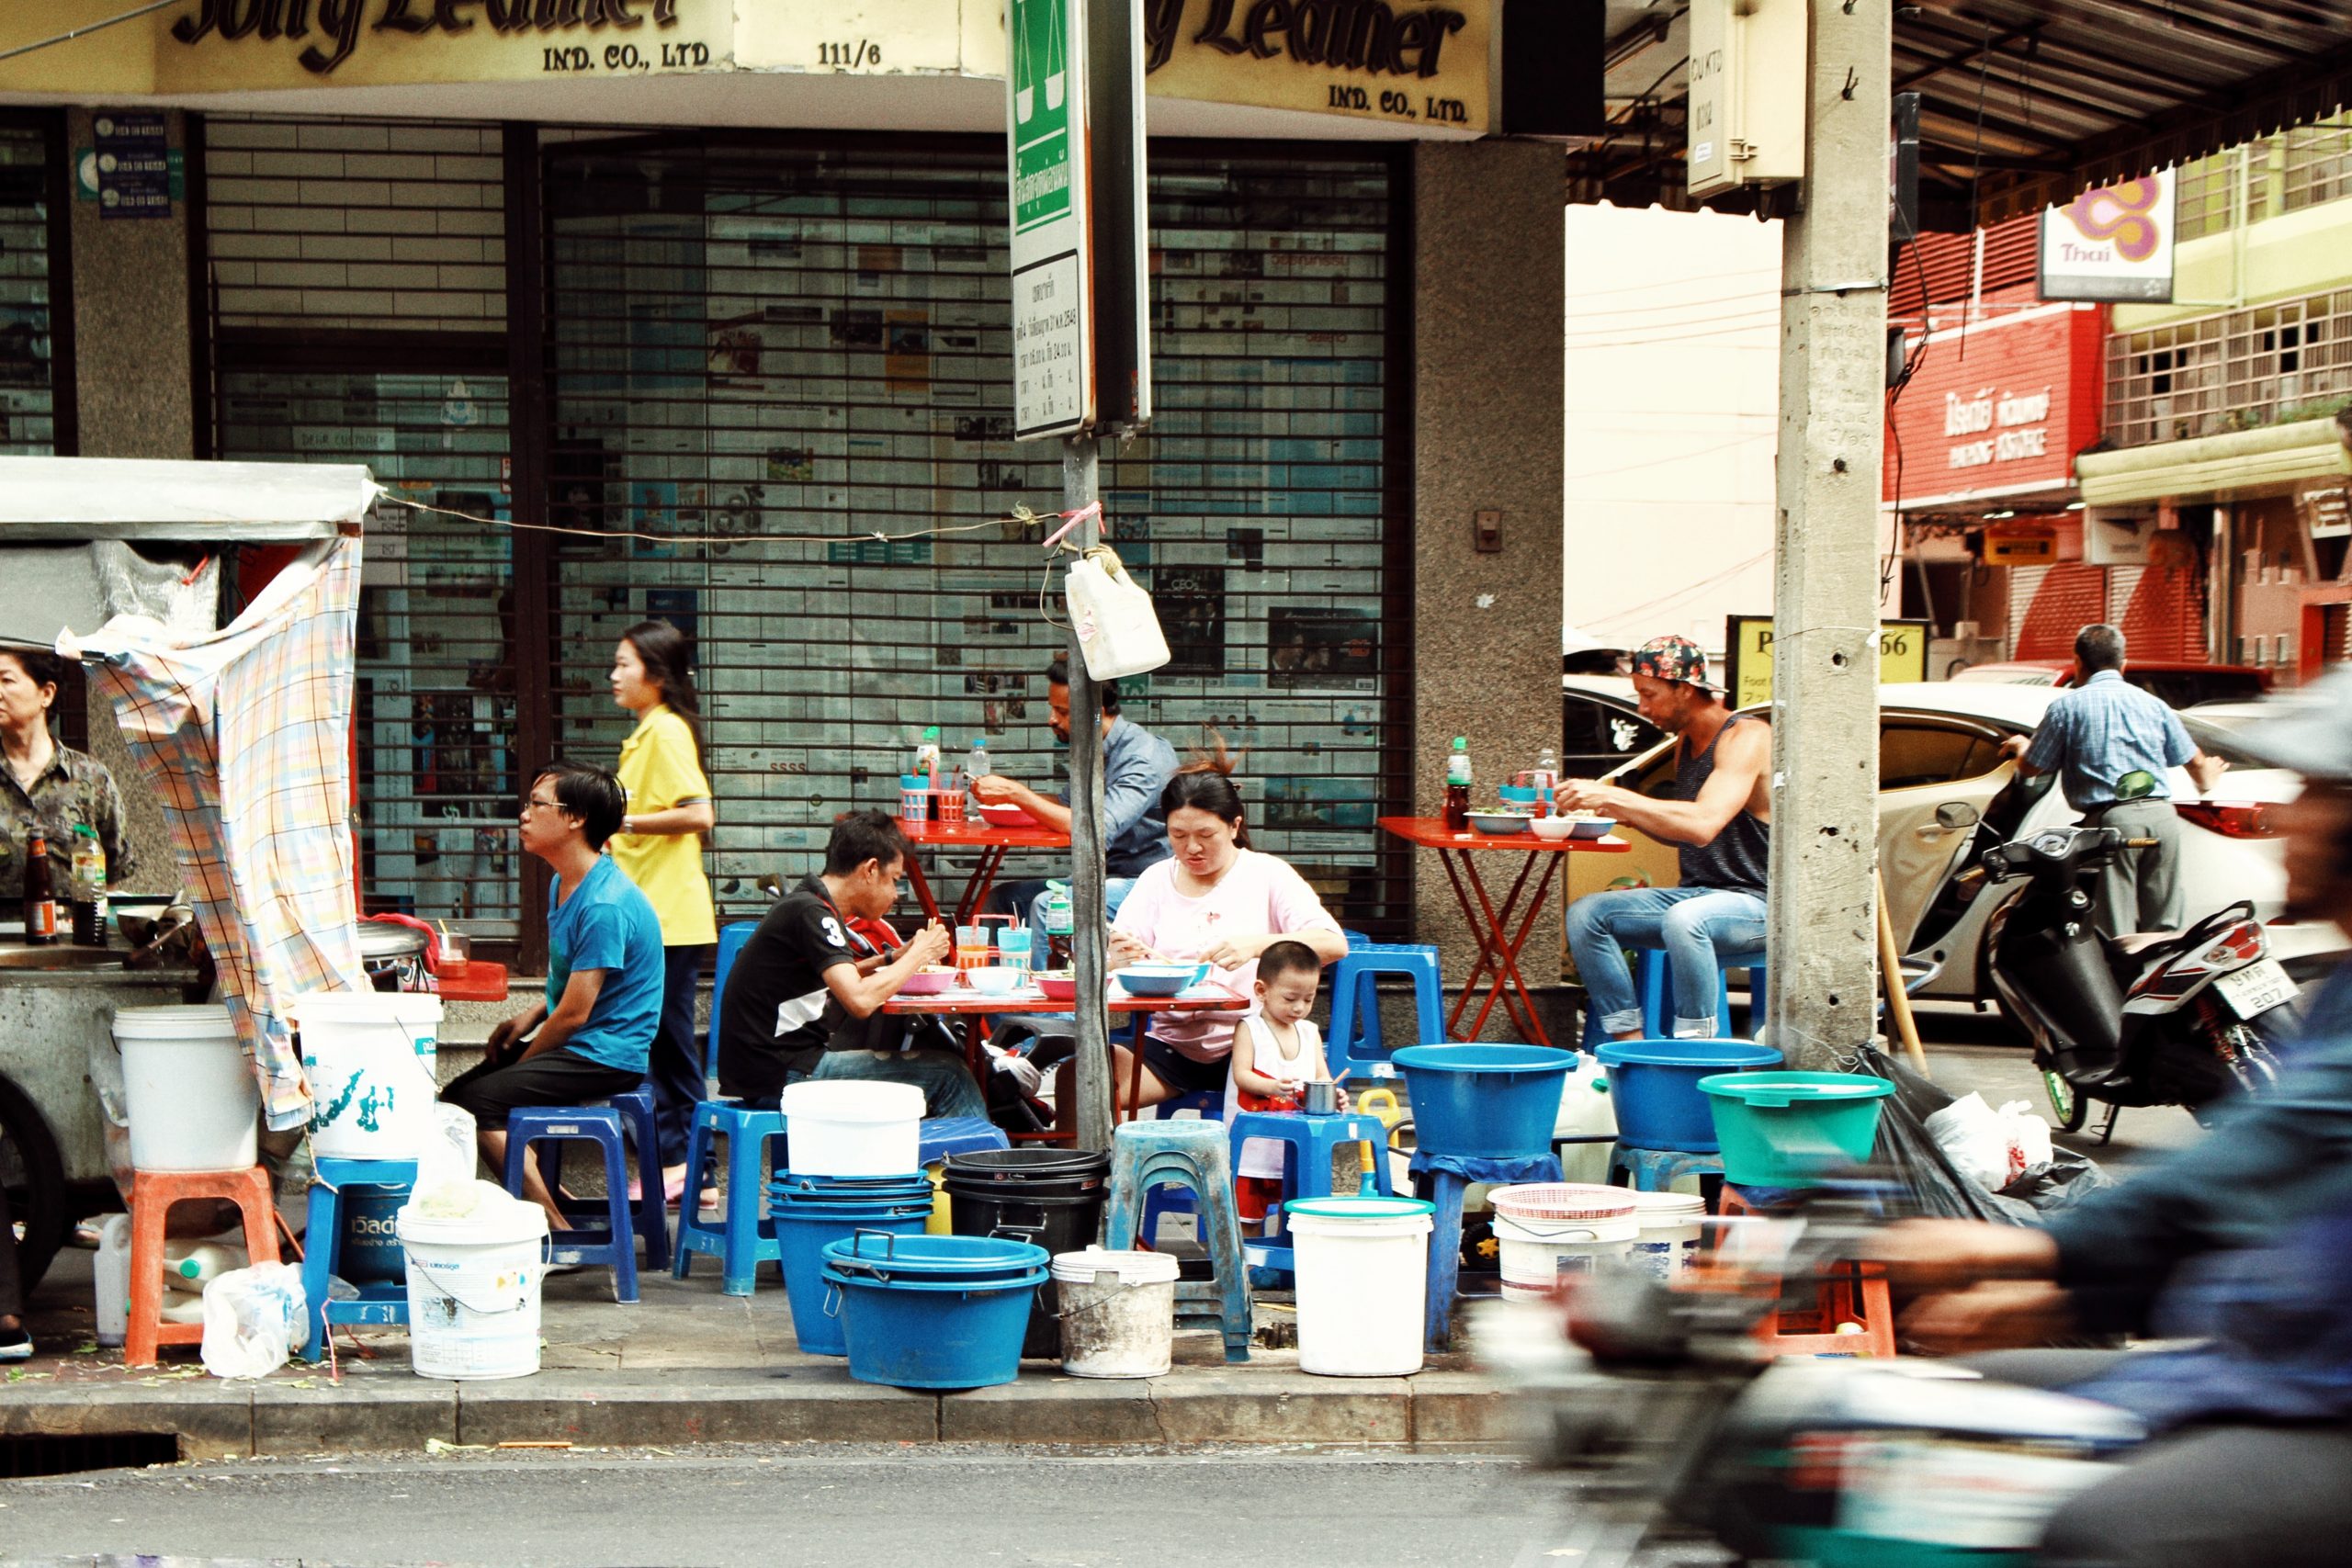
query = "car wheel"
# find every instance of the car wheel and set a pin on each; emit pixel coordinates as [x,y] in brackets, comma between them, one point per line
[2068,1105]
[34,1176]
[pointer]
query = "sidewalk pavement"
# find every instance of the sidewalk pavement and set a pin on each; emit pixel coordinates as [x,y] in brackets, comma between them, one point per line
[689,1365]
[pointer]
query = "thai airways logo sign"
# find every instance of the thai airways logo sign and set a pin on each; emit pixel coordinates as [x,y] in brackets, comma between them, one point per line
[2114,243]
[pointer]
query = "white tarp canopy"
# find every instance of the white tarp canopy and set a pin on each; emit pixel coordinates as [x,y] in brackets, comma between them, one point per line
[61,498]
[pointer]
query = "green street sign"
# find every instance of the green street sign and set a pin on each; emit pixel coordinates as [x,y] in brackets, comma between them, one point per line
[1046,124]
[1042,103]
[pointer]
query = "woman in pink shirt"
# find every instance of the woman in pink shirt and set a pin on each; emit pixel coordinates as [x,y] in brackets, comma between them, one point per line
[1219,901]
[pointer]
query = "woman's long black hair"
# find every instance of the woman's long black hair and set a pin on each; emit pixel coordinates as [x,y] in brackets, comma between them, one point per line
[663,650]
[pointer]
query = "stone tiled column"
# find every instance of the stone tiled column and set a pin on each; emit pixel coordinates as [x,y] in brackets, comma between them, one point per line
[1489,307]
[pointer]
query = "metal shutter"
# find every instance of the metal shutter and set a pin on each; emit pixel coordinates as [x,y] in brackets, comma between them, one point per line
[36,340]
[753,340]
[355,274]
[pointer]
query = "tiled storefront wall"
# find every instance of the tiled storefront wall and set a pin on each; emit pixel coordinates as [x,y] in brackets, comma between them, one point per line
[28,381]
[759,346]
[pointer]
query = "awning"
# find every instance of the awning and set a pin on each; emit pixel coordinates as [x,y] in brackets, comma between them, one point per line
[77,498]
[2212,466]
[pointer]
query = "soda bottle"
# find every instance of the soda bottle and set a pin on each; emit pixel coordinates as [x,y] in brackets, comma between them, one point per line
[1058,925]
[40,894]
[927,756]
[88,894]
[1457,788]
[976,768]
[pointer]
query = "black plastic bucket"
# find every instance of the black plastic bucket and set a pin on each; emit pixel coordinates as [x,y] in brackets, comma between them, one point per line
[1053,1198]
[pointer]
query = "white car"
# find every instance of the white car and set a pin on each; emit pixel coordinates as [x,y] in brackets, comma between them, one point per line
[1939,768]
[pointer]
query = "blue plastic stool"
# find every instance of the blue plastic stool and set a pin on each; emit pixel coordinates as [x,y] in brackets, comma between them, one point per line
[615,1244]
[1209,1103]
[1196,1154]
[652,1222]
[378,1301]
[940,1136]
[1654,979]
[1351,1045]
[731,938]
[1656,1170]
[1445,1189]
[1309,1142]
[743,1238]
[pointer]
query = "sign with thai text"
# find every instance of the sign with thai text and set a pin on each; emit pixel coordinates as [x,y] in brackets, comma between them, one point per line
[1997,409]
[1053,374]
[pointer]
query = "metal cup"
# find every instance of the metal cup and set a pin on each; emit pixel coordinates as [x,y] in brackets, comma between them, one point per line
[1322,1097]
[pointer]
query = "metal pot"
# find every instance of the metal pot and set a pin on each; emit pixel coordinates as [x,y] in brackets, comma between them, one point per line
[1322,1097]
[393,956]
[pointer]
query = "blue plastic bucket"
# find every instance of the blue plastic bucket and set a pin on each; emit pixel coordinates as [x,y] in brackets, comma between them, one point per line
[933,1312]
[802,1233]
[1654,1087]
[1497,1100]
[1793,1129]
[371,1244]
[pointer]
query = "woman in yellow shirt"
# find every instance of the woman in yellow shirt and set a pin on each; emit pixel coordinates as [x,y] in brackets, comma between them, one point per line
[660,847]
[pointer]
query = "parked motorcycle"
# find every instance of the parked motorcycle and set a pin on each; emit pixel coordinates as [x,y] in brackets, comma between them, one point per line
[2161,1018]
[1678,1429]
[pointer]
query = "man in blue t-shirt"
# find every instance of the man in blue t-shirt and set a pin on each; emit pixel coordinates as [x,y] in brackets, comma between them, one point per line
[589,1038]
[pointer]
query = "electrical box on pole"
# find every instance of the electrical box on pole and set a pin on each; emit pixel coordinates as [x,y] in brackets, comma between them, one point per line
[1747,95]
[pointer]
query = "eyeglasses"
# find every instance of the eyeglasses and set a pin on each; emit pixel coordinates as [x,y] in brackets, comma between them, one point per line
[535,803]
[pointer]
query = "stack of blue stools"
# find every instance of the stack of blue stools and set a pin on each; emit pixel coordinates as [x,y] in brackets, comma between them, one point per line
[1195,1154]
[379,1301]
[1352,1046]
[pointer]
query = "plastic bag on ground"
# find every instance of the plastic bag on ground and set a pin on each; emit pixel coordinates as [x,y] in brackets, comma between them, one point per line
[252,1317]
[1941,1188]
[1995,1147]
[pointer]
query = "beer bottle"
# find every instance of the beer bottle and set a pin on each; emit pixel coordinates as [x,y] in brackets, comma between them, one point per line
[40,892]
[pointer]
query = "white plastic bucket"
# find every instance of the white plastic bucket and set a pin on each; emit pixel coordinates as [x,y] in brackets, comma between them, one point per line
[1363,1275]
[473,1291]
[1539,1255]
[1118,1313]
[847,1127]
[368,1056]
[1672,1224]
[193,1101]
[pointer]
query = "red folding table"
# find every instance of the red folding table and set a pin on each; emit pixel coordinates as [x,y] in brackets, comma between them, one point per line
[992,844]
[1491,926]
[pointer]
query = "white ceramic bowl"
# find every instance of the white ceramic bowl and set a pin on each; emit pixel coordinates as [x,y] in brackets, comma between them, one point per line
[994,979]
[1552,828]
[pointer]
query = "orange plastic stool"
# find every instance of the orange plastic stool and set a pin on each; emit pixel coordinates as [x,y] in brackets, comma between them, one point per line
[1856,1293]
[152,1193]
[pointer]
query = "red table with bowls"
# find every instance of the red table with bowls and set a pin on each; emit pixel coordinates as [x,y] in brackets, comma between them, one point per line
[993,843]
[1490,925]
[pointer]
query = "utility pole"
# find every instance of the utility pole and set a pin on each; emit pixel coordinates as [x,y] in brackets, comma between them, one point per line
[1088,920]
[1821,904]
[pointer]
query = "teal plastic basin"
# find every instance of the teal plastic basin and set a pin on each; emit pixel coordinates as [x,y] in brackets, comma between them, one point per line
[1792,1129]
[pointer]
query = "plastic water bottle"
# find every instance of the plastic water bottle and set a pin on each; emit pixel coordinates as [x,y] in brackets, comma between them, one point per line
[976,768]
[1057,919]
[1547,773]
[111,1276]
[88,896]
[1457,788]
[190,1265]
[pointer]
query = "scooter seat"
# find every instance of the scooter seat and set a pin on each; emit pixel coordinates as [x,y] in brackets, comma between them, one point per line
[2141,941]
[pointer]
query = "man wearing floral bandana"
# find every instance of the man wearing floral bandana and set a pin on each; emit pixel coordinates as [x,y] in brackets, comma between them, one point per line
[1718,815]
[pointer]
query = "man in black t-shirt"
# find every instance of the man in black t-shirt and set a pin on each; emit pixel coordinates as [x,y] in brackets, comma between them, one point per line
[774,1025]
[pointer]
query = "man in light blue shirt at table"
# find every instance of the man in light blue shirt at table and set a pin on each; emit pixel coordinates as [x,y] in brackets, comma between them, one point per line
[1136,765]
[2112,746]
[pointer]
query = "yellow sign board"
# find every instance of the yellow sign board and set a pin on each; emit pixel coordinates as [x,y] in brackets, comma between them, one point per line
[1412,63]
[1747,641]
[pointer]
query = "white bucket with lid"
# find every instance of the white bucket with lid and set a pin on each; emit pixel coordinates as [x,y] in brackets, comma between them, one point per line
[190,1094]
[847,1127]
[1552,1233]
[1362,1274]
[1118,1313]
[473,1291]
[1672,1224]
[368,1056]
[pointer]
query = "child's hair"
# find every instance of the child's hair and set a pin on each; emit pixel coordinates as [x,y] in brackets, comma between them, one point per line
[1288,958]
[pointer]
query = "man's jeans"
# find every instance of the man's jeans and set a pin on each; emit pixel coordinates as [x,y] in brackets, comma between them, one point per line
[946,1083]
[1700,928]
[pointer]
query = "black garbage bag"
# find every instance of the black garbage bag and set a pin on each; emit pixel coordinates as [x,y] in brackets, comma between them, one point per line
[2070,1178]
[1941,1188]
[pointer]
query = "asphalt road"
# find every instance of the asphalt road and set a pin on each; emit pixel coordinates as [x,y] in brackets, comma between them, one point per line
[780,1507]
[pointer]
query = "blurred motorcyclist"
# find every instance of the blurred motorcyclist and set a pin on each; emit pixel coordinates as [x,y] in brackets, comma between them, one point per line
[2243,1241]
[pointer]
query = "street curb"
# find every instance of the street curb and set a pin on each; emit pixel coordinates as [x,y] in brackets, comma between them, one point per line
[374,1410]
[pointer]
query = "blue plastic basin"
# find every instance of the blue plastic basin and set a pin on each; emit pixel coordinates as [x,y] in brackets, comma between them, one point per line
[1494,1100]
[802,1233]
[1654,1088]
[923,1327]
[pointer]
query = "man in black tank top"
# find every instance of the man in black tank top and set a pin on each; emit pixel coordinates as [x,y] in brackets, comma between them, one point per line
[1719,818]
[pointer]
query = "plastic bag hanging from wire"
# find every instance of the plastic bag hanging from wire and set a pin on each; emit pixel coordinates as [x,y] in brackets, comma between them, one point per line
[1118,631]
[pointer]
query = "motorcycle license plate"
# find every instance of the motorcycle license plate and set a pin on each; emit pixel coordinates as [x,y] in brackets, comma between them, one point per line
[1974,1496]
[2256,988]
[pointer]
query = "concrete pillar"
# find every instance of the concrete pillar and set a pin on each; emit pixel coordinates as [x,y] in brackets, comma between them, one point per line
[132,398]
[1823,909]
[1490,286]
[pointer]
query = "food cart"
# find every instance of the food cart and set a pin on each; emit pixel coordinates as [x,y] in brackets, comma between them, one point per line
[81,541]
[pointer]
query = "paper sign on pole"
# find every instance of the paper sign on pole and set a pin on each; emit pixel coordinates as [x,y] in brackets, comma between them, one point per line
[1748,656]
[1053,306]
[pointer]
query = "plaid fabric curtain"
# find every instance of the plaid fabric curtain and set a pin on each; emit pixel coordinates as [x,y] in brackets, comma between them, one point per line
[244,734]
